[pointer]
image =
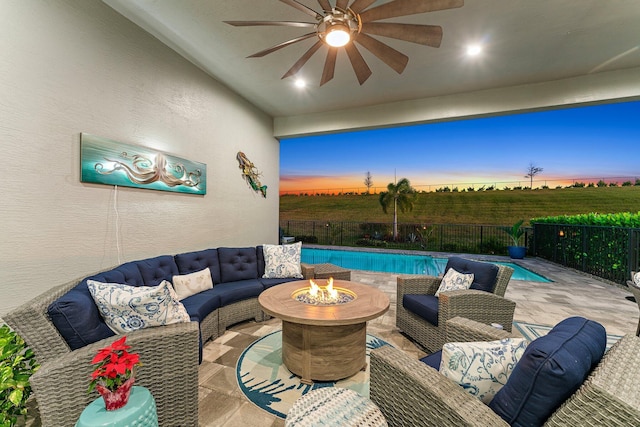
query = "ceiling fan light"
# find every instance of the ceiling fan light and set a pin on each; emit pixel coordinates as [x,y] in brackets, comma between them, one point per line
[337,36]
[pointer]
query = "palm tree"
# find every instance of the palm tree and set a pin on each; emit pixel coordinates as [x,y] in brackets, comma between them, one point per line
[402,195]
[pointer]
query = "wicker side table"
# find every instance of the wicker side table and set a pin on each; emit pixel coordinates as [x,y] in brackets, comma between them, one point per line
[324,271]
[334,406]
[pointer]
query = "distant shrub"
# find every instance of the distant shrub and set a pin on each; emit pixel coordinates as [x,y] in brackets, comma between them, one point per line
[591,185]
[371,243]
[306,239]
[627,184]
[637,181]
[545,187]
[578,184]
[613,184]
[601,183]
[471,189]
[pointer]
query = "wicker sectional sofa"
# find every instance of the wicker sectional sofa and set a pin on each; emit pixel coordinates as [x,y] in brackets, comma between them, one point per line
[64,329]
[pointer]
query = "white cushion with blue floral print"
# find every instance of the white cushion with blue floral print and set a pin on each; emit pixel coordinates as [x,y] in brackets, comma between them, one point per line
[481,368]
[454,281]
[282,261]
[636,279]
[128,308]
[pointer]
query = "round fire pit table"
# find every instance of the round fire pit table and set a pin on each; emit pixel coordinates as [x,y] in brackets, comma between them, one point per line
[324,342]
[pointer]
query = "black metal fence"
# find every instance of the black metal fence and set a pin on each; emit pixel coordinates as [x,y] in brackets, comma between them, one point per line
[483,239]
[607,252]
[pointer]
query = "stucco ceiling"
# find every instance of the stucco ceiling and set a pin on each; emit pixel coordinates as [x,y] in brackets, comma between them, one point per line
[524,42]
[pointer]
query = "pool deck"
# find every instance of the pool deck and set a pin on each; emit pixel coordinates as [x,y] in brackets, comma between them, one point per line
[570,294]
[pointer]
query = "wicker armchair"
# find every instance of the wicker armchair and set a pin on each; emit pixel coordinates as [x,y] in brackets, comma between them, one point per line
[635,290]
[169,355]
[481,306]
[410,393]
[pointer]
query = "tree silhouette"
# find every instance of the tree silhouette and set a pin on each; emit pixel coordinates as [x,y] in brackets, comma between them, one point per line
[402,195]
[368,181]
[532,171]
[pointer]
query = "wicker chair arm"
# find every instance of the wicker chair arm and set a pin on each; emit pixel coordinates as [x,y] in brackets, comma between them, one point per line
[460,329]
[169,356]
[480,306]
[610,396]
[308,272]
[417,285]
[410,393]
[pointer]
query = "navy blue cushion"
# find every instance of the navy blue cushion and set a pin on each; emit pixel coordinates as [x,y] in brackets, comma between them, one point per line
[433,360]
[237,291]
[550,370]
[126,274]
[155,270]
[484,273]
[260,256]
[77,318]
[190,262]
[200,305]
[237,264]
[425,306]
[267,283]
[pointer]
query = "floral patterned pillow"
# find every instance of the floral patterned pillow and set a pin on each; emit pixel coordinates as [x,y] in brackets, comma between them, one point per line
[636,279]
[481,368]
[128,308]
[282,261]
[454,281]
[193,283]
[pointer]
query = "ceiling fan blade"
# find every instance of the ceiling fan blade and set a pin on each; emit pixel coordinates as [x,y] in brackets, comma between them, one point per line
[277,23]
[325,5]
[429,35]
[329,65]
[281,45]
[363,72]
[394,59]
[303,59]
[342,4]
[360,5]
[407,7]
[302,8]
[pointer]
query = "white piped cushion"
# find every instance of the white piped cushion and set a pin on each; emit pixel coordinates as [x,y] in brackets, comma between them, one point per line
[193,283]
[454,281]
[282,261]
[481,368]
[128,308]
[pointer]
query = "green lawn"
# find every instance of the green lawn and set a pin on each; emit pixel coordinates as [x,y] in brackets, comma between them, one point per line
[501,207]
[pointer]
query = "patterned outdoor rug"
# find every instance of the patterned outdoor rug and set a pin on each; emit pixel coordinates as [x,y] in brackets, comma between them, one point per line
[267,383]
[531,331]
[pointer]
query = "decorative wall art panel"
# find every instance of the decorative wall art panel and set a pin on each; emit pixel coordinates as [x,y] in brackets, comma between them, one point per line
[103,161]
[251,174]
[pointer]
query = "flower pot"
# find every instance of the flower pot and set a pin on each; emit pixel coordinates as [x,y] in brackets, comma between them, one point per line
[116,399]
[517,252]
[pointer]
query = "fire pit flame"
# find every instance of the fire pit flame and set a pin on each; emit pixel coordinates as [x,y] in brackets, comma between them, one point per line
[323,295]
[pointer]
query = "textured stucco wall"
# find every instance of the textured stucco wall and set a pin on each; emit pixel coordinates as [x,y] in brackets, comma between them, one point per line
[71,66]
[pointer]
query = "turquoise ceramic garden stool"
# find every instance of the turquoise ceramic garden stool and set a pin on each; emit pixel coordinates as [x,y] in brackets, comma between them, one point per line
[140,411]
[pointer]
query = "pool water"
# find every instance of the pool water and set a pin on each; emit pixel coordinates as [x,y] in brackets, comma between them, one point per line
[398,263]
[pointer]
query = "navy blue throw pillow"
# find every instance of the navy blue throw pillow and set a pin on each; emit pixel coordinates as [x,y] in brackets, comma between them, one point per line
[484,273]
[551,369]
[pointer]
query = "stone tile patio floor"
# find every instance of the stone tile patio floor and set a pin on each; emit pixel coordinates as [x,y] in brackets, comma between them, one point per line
[570,294]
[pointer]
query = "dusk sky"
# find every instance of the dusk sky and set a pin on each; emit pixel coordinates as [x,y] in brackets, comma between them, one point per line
[582,144]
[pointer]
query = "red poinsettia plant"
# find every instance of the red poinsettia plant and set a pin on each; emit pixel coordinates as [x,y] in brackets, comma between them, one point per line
[115,365]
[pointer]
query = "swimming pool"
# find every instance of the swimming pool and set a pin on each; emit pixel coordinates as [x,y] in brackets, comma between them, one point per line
[398,263]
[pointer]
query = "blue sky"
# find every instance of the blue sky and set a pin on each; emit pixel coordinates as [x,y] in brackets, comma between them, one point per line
[569,144]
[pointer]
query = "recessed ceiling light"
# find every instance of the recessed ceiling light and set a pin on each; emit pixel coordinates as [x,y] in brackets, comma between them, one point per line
[300,83]
[474,50]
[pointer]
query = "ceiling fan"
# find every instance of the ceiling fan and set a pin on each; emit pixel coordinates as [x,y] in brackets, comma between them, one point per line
[345,26]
